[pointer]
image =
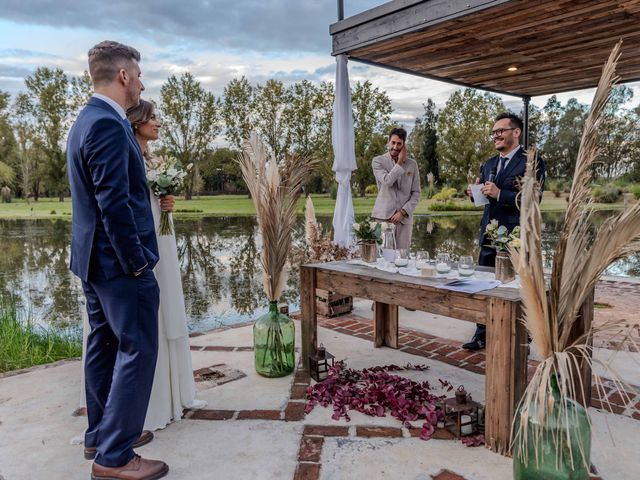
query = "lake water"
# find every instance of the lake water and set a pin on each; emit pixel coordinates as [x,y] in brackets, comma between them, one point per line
[219,262]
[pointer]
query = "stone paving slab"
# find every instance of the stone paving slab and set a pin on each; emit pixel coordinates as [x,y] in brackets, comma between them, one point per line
[255,428]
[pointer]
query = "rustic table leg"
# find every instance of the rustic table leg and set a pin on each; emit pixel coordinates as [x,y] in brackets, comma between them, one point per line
[308,320]
[506,372]
[385,320]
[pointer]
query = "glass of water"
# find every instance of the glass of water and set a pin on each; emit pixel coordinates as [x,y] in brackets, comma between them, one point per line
[465,266]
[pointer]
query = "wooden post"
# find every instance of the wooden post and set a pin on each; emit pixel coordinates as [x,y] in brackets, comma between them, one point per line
[308,319]
[385,319]
[583,325]
[506,371]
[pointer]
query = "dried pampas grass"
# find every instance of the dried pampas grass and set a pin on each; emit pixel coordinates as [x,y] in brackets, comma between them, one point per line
[275,188]
[581,257]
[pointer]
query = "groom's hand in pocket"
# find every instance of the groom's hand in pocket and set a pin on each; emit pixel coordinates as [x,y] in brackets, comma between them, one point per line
[167,202]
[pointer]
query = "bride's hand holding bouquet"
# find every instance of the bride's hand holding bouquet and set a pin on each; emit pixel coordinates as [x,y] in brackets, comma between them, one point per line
[166,177]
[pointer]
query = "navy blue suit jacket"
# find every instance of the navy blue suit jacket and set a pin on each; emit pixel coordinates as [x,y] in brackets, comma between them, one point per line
[113,229]
[505,210]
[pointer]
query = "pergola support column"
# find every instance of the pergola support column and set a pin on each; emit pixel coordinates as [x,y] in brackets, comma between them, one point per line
[525,120]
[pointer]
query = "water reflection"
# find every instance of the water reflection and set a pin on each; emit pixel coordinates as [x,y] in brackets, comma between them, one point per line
[219,260]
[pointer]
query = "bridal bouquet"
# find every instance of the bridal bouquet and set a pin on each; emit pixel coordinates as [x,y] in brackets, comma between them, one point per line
[166,177]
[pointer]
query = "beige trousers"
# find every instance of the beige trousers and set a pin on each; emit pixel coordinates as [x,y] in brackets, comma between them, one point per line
[403,233]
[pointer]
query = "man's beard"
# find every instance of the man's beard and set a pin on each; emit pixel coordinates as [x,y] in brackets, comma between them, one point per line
[133,100]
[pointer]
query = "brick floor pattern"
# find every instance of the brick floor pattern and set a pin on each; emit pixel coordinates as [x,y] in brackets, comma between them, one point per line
[410,341]
[452,353]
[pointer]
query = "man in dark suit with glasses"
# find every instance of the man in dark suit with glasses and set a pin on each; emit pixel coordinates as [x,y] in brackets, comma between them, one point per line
[500,178]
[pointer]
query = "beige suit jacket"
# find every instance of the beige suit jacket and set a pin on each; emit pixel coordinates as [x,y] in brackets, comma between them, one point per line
[398,187]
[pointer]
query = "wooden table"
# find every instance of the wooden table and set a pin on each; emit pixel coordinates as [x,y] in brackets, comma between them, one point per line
[499,309]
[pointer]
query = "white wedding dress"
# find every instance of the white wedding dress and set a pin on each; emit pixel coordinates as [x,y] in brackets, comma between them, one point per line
[173,385]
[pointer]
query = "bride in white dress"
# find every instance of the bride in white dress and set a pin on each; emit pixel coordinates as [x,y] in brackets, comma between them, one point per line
[173,384]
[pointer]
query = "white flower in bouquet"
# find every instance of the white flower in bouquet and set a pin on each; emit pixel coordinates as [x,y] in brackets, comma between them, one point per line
[152,176]
[166,177]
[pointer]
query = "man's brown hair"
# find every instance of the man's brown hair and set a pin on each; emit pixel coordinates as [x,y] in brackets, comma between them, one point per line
[107,58]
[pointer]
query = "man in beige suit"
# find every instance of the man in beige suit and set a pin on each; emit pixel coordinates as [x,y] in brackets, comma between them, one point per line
[398,187]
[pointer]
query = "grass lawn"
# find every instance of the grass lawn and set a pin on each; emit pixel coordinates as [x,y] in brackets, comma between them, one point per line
[234,205]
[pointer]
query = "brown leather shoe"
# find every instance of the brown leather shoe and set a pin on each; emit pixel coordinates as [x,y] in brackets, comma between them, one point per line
[137,469]
[145,437]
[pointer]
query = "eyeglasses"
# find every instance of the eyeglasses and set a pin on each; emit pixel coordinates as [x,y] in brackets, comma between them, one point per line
[498,132]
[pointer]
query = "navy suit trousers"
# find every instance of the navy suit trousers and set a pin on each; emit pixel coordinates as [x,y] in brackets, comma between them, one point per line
[121,354]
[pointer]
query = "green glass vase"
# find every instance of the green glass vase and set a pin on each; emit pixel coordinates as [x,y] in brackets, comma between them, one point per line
[274,343]
[552,460]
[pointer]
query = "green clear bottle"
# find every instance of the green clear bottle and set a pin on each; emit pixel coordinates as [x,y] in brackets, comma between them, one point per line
[274,343]
[551,463]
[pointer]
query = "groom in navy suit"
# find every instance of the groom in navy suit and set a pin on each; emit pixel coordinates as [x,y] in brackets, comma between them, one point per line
[113,251]
[500,178]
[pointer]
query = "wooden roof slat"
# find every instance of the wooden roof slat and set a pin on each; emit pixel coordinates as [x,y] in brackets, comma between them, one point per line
[556,44]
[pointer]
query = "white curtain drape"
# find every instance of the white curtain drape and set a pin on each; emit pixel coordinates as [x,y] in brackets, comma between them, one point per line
[343,140]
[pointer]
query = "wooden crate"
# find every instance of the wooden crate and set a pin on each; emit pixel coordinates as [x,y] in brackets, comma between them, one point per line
[331,304]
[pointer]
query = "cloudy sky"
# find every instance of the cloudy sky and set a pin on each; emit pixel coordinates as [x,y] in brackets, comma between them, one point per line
[215,40]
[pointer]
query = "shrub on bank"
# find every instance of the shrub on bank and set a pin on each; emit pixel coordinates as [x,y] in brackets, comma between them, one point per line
[24,344]
[371,190]
[609,193]
[445,195]
[453,207]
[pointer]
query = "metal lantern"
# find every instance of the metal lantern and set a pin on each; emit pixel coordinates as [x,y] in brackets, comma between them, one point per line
[319,363]
[461,414]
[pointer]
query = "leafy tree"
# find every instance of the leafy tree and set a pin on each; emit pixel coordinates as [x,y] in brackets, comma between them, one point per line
[191,121]
[464,124]
[308,118]
[552,112]
[28,155]
[536,125]
[371,114]
[221,173]
[237,111]
[568,138]
[634,166]
[270,103]
[617,148]
[7,144]
[51,100]
[423,141]
[322,140]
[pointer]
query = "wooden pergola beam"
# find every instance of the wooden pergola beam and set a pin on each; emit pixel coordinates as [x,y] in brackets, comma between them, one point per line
[556,45]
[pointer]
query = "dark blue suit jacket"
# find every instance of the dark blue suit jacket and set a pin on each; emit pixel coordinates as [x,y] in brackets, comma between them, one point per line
[113,230]
[505,210]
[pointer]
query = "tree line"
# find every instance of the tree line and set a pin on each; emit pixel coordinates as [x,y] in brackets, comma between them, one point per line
[208,131]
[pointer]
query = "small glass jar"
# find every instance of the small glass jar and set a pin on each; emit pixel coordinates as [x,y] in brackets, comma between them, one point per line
[465,266]
[442,263]
[402,257]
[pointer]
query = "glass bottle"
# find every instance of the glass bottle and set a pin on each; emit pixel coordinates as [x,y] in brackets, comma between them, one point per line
[274,343]
[546,454]
[389,243]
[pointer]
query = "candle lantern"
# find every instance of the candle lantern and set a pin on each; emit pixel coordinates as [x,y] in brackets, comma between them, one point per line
[461,414]
[319,363]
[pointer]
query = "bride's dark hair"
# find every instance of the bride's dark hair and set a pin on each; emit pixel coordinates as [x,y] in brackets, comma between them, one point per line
[140,114]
